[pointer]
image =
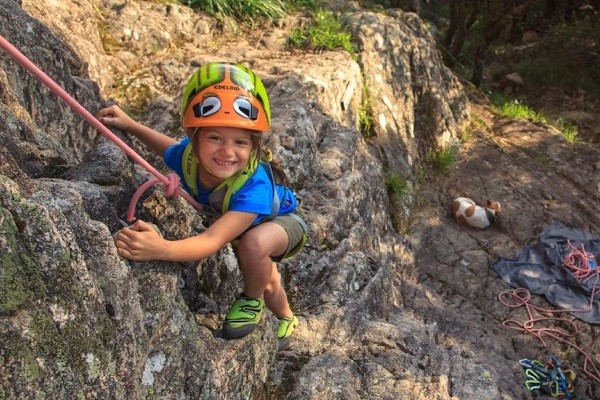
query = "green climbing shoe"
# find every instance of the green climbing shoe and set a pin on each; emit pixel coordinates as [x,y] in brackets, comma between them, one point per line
[285,330]
[243,317]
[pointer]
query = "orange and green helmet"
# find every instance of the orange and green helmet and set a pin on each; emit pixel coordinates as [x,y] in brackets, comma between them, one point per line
[228,95]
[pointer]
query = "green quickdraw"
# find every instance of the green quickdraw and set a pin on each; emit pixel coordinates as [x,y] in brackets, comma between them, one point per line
[549,378]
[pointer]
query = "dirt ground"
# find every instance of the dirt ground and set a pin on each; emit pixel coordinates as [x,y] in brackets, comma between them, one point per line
[539,178]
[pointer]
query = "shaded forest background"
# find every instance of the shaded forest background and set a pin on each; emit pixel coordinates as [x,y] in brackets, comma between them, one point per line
[542,53]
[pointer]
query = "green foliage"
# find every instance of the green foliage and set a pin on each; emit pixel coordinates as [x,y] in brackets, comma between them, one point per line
[241,10]
[471,41]
[571,134]
[443,159]
[569,131]
[248,10]
[298,38]
[567,57]
[466,135]
[365,113]
[396,184]
[514,108]
[463,64]
[476,124]
[325,33]
[365,121]
[310,5]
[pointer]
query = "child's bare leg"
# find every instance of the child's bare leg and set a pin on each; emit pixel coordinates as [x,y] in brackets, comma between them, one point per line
[276,297]
[261,278]
[261,281]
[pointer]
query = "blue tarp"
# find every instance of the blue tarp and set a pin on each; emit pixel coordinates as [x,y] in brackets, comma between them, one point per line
[540,269]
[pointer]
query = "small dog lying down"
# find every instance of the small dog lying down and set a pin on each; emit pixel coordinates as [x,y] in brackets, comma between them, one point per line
[466,212]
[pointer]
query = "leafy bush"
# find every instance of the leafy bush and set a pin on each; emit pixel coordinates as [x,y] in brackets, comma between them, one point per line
[567,57]
[311,5]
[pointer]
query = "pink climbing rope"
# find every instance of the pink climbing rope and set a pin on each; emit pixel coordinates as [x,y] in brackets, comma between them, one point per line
[579,263]
[171,184]
[170,189]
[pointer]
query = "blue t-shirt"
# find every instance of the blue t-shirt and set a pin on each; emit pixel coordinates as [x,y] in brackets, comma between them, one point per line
[256,196]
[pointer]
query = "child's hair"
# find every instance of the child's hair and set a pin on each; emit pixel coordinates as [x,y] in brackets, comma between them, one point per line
[278,172]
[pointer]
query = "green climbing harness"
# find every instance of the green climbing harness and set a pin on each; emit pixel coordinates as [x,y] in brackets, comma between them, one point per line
[220,197]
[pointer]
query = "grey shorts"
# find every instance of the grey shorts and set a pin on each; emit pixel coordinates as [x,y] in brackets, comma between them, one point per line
[297,232]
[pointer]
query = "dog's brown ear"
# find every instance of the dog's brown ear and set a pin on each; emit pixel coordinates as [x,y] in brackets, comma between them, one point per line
[494,205]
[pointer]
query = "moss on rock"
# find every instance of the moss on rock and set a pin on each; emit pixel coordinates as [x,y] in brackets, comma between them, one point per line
[20,276]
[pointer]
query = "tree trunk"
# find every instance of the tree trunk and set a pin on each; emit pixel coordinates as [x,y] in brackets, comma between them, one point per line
[456,33]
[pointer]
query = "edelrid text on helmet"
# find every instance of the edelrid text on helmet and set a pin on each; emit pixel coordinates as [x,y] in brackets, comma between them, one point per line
[224,94]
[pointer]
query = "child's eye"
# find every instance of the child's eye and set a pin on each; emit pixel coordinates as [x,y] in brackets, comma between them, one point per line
[214,138]
[243,143]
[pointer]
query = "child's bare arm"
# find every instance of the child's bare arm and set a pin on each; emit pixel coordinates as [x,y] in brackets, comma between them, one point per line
[156,141]
[141,242]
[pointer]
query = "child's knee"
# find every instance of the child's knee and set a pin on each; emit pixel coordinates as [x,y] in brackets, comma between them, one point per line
[251,245]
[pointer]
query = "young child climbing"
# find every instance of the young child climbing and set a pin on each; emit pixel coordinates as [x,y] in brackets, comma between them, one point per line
[225,110]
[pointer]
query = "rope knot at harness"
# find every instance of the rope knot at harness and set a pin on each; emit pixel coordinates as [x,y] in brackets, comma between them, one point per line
[172,186]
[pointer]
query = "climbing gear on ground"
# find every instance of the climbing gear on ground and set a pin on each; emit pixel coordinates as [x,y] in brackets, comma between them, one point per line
[60,92]
[243,317]
[550,378]
[285,330]
[539,325]
[225,95]
[221,196]
[546,269]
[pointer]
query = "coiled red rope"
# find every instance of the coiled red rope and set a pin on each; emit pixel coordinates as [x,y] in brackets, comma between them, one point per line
[580,262]
[583,266]
[171,185]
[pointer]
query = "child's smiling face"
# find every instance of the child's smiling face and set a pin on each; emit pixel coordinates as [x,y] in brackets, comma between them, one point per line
[222,152]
